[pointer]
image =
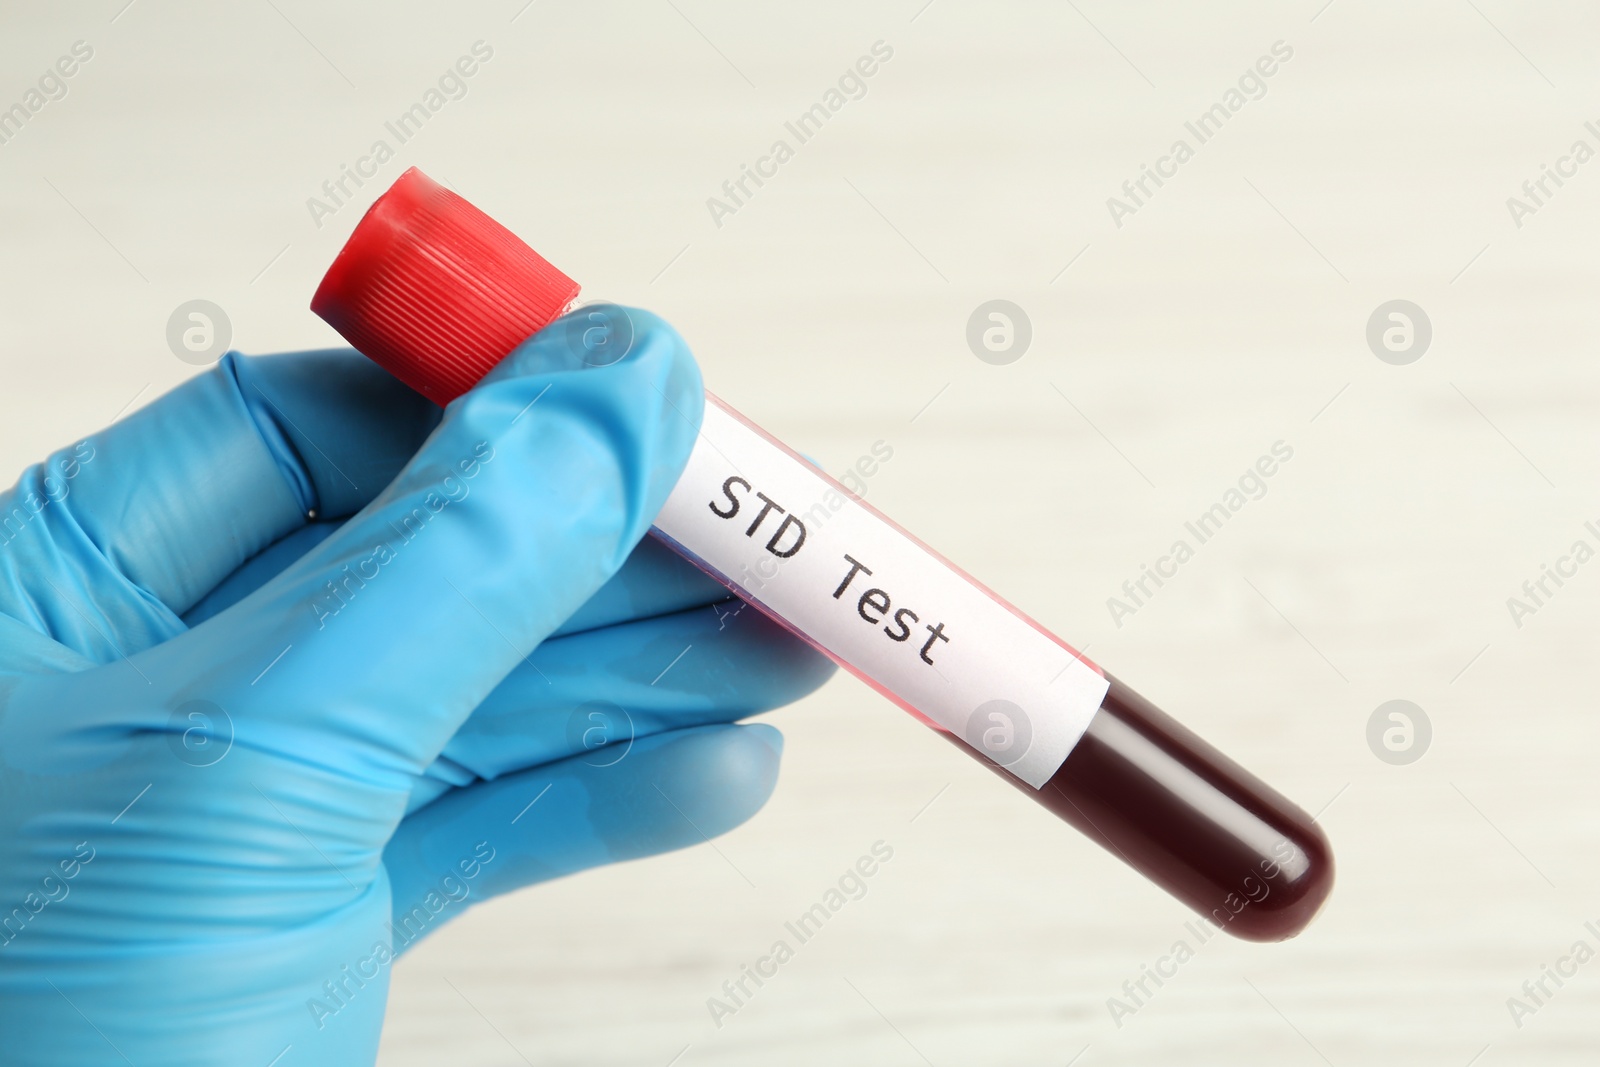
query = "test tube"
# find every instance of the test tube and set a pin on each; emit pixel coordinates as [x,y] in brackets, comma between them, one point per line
[437,292]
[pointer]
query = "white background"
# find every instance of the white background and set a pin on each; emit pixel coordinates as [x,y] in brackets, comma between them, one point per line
[1222,317]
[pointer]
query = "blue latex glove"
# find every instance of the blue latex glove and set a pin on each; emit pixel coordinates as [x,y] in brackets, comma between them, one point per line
[237,744]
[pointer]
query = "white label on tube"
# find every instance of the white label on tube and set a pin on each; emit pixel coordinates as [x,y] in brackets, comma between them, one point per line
[878,601]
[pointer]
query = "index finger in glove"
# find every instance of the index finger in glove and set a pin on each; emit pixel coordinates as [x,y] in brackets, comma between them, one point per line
[370,650]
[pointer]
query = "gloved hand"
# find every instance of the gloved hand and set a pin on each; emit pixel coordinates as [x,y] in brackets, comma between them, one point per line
[237,744]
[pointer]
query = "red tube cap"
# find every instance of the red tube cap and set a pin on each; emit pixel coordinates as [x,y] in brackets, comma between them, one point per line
[436,291]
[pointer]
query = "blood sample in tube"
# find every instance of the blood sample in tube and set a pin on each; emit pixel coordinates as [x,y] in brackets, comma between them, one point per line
[437,292]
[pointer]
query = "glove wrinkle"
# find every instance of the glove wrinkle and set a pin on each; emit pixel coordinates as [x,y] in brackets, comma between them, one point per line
[56,577]
[264,416]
